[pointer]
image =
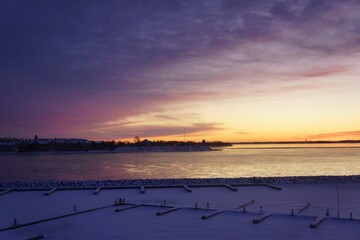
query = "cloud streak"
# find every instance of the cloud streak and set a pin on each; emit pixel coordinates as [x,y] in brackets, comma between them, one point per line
[158,131]
[337,135]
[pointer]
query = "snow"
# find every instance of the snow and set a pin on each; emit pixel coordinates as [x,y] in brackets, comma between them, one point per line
[186,223]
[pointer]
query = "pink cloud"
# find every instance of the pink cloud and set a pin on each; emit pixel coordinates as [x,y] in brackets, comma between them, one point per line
[335,135]
[326,72]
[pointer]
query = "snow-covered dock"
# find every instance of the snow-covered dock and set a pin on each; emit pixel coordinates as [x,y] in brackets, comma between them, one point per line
[5,192]
[301,208]
[317,221]
[186,188]
[173,209]
[79,214]
[97,190]
[212,214]
[230,187]
[127,208]
[243,206]
[51,191]
[262,218]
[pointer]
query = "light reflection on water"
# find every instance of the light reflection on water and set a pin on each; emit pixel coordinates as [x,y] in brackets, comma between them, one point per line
[238,161]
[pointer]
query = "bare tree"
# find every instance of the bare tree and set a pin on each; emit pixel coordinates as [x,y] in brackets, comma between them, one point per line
[137,140]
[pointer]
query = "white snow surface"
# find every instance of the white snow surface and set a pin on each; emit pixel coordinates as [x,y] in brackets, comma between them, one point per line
[186,223]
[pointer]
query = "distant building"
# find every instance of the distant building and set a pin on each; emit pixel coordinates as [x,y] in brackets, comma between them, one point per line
[145,143]
[44,141]
[70,140]
[40,141]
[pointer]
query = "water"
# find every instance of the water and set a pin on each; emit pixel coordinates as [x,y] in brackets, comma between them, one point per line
[238,161]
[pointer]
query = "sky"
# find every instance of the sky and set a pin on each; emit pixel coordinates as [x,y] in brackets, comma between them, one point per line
[244,70]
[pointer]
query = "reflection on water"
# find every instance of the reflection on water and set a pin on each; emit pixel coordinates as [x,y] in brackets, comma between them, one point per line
[297,145]
[238,161]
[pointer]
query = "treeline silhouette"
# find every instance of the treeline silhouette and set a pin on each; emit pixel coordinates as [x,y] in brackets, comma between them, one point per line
[27,145]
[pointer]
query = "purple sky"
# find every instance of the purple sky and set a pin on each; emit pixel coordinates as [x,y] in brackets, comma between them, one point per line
[69,68]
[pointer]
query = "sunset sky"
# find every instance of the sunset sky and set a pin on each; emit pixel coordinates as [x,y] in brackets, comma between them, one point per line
[244,70]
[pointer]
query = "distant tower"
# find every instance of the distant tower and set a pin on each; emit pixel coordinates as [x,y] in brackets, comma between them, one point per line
[36,137]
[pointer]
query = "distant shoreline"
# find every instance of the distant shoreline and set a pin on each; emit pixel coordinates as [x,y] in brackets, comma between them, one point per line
[128,150]
[179,149]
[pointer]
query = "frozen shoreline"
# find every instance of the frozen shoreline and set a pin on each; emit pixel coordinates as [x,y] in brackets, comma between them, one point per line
[127,150]
[163,149]
[180,181]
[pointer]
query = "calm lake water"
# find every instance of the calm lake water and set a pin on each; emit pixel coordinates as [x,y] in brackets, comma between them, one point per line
[237,161]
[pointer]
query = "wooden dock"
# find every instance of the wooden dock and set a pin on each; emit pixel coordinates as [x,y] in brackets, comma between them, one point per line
[186,188]
[51,191]
[212,214]
[272,186]
[168,211]
[317,221]
[230,187]
[36,237]
[301,208]
[97,190]
[262,218]
[5,192]
[131,207]
[246,204]
[54,218]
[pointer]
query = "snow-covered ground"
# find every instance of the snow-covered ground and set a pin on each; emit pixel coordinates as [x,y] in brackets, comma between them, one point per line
[186,223]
